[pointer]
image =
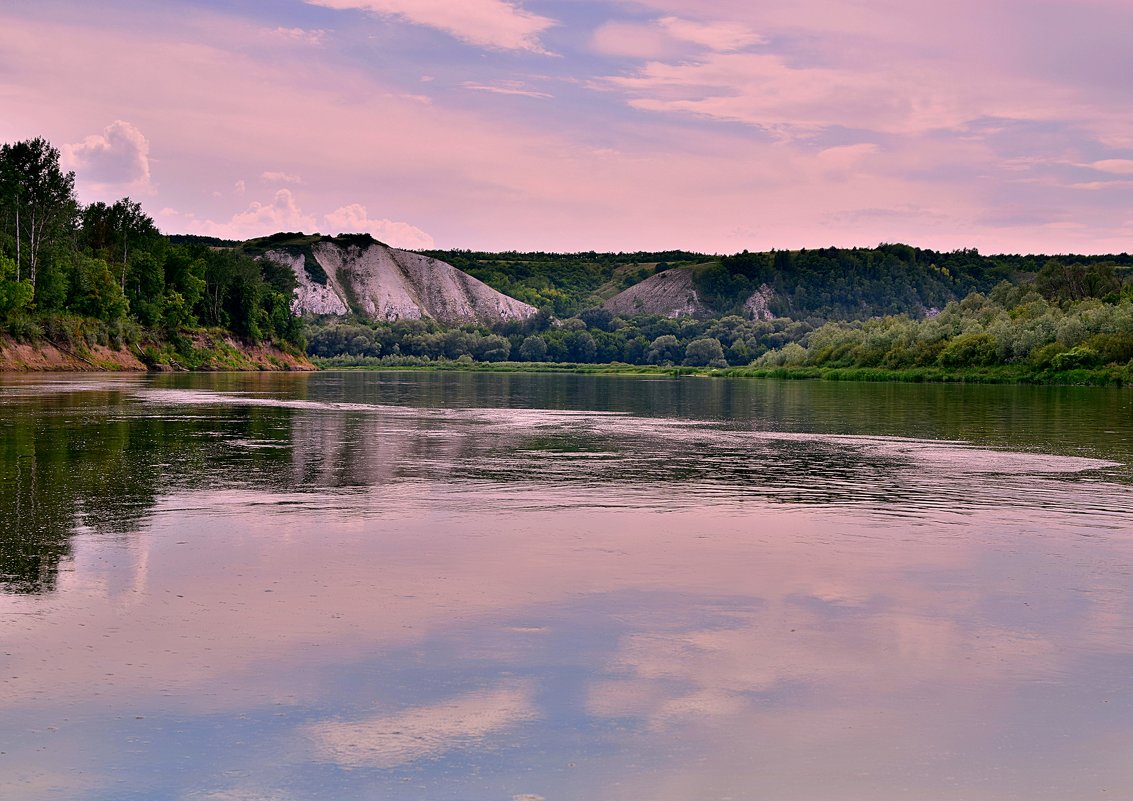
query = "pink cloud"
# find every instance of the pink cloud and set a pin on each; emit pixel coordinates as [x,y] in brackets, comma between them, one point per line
[636,40]
[1115,166]
[218,101]
[282,213]
[766,90]
[314,37]
[721,36]
[487,23]
[669,37]
[278,177]
[115,160]
[354,218]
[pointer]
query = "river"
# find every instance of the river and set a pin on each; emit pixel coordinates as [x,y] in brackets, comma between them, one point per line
[501,587]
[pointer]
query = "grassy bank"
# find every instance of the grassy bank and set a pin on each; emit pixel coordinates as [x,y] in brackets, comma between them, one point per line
[1000,374]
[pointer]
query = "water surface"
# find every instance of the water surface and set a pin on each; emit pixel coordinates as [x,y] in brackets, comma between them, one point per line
[462,586]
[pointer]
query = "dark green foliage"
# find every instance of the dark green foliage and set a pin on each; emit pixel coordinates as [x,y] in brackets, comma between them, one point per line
[354,240]
[37,205]
[197,239]
[705,352]
[106,269]
[562,284]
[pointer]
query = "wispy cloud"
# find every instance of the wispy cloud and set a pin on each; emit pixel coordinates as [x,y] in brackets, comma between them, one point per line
[721,36]
[1115,166]
[495,24]
[506,88]
[314,37]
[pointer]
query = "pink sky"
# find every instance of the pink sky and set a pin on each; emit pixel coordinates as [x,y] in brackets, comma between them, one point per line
[621,125]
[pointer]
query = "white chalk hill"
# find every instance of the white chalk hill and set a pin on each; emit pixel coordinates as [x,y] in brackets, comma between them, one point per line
[376,281]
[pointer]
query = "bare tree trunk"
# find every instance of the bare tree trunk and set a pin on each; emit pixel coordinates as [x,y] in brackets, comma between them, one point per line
[32,248]
[125,245]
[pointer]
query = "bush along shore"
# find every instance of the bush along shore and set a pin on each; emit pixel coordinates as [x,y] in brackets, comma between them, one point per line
[1001,374]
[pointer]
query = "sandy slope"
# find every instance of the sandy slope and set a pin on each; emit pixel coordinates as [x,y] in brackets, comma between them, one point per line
[670,293]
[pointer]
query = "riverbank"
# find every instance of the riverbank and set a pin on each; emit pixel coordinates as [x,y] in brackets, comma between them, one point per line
[998,374]
[200,350]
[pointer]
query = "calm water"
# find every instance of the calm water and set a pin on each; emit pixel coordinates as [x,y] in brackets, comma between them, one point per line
[511,588]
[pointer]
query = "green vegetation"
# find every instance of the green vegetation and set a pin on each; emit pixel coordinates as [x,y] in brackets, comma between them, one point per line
[77,276]
[597,338]
[103,274]
[564,284]
[1015,333]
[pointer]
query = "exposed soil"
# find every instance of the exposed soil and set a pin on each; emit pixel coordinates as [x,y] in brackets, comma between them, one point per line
[221,353]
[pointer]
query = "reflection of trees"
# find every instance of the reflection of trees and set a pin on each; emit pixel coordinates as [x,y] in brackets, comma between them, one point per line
[86,459]
[96,459]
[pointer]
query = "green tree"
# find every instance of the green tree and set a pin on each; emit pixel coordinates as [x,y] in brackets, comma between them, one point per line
[665,349]
[533,349]
[705,352]
[14,295]
[39,199]
[93,291]
[117,232]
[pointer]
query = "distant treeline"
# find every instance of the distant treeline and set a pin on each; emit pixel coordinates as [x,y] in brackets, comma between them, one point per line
[817,284]
[1070,317]
[104,273]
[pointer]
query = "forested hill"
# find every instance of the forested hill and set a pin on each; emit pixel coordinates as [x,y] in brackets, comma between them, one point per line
[825,283]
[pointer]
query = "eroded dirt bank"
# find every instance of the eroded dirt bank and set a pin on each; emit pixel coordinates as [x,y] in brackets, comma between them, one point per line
[206,352]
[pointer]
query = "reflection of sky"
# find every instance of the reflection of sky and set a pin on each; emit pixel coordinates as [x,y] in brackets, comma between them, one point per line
[399,627]
[673,652]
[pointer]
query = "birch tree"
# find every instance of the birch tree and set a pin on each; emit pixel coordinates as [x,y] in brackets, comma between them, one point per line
[38,200]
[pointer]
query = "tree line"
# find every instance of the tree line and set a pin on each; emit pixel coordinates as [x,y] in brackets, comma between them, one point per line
[104,271]
[594,337]
[1021,326]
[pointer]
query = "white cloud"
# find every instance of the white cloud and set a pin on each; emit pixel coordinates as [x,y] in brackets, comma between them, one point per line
[497,24]
[354,218]
[386,741]
[117,158]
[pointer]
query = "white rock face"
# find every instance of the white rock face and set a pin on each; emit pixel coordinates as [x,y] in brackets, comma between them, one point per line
[670,293]
[757,305]
[384,283]
[308,297]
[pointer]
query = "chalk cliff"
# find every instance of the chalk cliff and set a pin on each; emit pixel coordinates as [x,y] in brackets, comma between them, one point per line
[373,280]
